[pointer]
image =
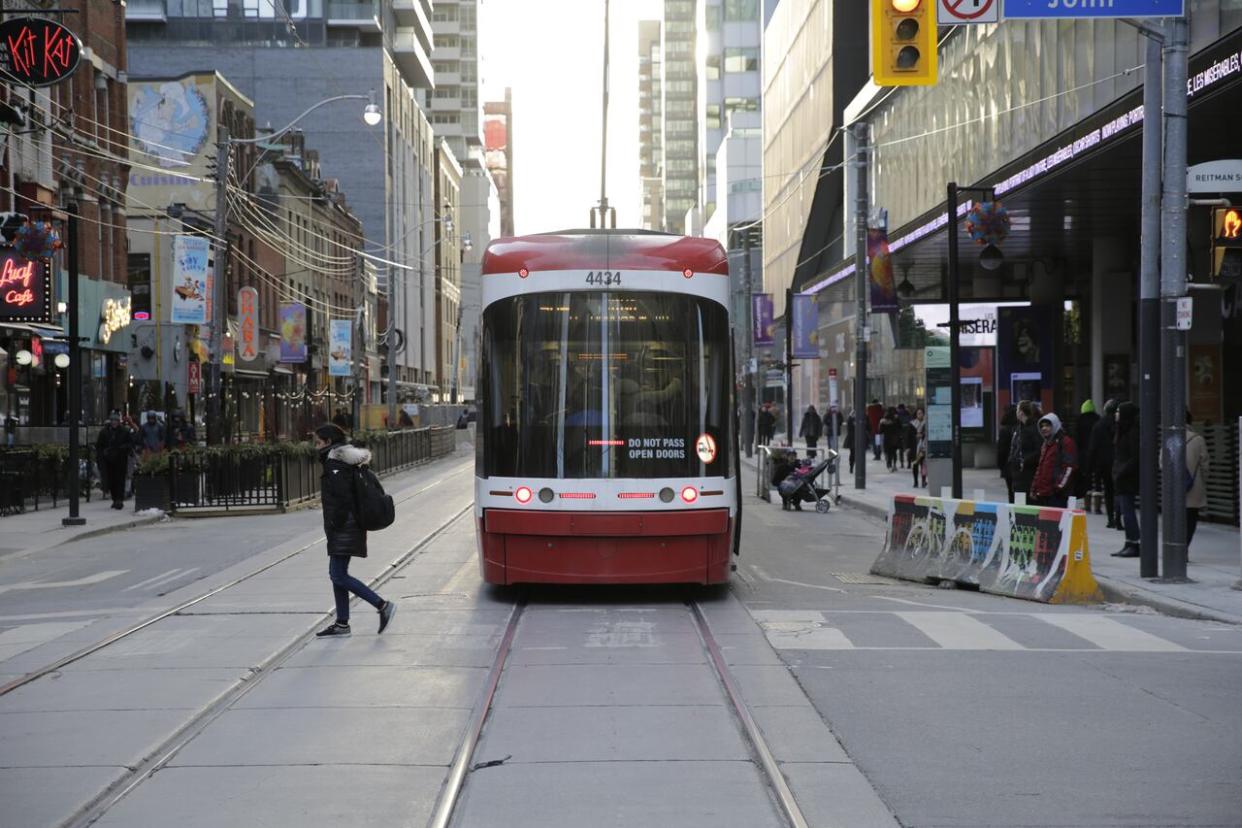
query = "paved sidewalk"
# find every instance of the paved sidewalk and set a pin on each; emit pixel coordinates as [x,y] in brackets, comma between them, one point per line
[34,531]
[1215,554]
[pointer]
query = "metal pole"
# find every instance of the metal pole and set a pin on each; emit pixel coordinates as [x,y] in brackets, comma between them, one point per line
[955,390]
[752,407]
[219,292]
[1173,267]
[391,341]
[860,323]
[1149,313]
[74,416]
[789,417]
[603,161]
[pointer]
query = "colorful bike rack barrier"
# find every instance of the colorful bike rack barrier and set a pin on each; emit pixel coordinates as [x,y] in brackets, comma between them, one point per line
[1033,552]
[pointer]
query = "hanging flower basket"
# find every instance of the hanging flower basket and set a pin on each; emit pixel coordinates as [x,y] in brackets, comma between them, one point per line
[36,240]
[988,223]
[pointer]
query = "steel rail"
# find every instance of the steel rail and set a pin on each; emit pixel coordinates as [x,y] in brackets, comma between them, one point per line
[90,649]
[170,747]
[784,795]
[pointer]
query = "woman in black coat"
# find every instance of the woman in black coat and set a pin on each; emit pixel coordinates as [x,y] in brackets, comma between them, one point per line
[812,427]
[1025,448]
[1100,460]
[1126,447]
[1008,425]
[346,538]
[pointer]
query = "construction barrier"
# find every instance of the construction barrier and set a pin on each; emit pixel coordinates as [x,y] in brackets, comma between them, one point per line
[1033,552]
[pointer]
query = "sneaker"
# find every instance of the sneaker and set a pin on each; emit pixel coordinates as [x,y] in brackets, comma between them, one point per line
[337,630]
[386,612]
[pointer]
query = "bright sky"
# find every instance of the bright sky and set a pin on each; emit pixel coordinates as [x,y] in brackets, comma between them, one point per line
[551,53]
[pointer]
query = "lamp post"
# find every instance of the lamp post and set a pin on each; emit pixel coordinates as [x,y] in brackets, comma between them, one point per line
[371,116]
[466,246]
[74,416]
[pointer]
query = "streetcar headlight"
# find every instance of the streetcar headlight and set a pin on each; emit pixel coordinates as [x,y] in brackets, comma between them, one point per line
[523,494]
[546,494]
[689,494]
[667,494]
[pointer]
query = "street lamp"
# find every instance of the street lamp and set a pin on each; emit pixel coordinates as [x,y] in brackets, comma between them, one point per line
[371,115]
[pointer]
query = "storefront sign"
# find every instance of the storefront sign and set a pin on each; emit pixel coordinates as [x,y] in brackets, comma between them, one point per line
[38,52]
[1215,177]
[1089,9]
[25,289]
[340,336]
[805,314]
[194,377]
[191,283]
[292,332]
[248,324]
[114,314]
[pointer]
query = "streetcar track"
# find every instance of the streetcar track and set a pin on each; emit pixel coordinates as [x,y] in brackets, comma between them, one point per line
[91,649]
[92,811]
[451,791]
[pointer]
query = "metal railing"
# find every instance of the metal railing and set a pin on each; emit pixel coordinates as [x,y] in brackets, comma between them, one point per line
[28,481]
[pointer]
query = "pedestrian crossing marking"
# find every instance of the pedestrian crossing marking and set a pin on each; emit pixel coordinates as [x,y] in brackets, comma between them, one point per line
[1108,634]
[966,630]
[958,631]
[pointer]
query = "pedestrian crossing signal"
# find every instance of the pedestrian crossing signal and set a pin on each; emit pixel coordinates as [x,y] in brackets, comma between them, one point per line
[903,42]
[1227,243]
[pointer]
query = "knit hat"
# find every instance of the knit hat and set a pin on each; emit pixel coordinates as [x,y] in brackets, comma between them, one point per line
[1088,407]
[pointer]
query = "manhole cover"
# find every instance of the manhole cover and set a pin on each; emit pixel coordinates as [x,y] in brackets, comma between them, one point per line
[862,578]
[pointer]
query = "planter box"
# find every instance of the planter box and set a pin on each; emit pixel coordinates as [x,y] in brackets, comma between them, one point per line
[151,492]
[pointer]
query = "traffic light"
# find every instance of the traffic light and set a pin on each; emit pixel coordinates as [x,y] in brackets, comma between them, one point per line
[903,42]
[1227,242]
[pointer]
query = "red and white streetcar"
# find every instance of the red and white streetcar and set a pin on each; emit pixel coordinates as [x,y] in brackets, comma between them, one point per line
[606,428]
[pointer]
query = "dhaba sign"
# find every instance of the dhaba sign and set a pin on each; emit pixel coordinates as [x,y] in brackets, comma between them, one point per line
[25,289]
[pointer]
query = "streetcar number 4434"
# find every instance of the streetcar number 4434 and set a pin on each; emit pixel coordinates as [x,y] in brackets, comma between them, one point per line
[603,278]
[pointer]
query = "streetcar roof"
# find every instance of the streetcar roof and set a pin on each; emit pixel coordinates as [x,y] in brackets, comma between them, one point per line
[606,249]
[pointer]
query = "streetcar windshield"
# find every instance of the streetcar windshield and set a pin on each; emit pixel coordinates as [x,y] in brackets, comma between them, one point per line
[604,385]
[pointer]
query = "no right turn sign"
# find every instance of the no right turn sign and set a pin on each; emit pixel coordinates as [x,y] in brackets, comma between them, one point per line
[958,12]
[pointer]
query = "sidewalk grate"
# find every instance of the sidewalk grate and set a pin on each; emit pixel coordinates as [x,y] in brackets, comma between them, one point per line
[862,578]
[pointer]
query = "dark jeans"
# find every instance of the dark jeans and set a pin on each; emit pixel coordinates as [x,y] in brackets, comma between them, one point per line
[1110,499]
[811,443]
[114,476]
[343,583]
[1126,505]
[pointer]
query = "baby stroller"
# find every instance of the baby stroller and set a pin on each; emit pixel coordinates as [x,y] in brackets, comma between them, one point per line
[799,486]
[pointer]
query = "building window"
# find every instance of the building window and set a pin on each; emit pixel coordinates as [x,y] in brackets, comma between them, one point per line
[443,13]
[741,11]
[713,116]
[741,104]
[713,67]
[446,41]
[713,18]
[738,59]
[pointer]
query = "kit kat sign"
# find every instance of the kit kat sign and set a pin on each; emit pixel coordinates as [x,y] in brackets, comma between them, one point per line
[38,52]
[25,289]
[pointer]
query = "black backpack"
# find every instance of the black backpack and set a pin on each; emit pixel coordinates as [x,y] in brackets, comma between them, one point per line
[375,510]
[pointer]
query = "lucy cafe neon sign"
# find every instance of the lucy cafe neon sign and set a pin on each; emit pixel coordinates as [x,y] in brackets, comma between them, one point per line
[23,289]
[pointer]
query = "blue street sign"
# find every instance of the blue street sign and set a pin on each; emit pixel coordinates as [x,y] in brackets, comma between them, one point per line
[1083,9]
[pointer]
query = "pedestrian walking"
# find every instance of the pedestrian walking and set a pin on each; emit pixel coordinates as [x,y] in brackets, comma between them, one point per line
[153,437]
[1087,421]
[1053,483]
[1004,442]
[767,424]
[10,430]
[853,441]
[1198,464]
[918,462]
[342,528]
[1100,461]
[1024,448]
[833,423]
[890,432]
[810,430]
[875,413]
[1126,447]
[905,448]
[113,448]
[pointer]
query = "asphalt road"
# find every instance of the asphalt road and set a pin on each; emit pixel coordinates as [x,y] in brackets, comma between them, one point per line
[969,709]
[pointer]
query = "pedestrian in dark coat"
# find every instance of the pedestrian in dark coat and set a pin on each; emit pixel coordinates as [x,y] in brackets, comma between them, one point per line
[1008,425]
[1126,447]
[346,537]
[891,431]
[1087,420]
[766,424]
[833,425]
[812,426]
[113,447]
[1100,461]
[1024,448]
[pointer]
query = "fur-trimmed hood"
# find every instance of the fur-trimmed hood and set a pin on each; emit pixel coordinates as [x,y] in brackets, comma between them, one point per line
[350,455]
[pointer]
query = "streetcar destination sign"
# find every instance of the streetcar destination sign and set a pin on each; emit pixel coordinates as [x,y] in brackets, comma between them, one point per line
[1073,9]
[38,52]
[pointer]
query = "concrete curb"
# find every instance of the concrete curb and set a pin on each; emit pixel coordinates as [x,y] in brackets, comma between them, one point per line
[104,530]
[1116,592]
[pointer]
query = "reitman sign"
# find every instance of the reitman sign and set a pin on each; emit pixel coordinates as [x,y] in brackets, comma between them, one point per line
[37,52]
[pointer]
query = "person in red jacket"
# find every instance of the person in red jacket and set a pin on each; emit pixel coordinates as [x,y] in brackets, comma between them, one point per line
[875,413]
[1058,463]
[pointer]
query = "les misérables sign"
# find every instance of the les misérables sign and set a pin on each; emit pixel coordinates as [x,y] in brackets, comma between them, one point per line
[37,52]
[25,289]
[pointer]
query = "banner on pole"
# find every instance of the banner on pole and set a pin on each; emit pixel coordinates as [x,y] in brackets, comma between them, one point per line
[292,332]
[248,324]
[805,314]
[880,272]
[191,282]
[340,342]
[761,317]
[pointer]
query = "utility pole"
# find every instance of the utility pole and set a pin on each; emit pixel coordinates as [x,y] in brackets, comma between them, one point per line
[1173,265]
[74,417]
[955,346]
[390,340]
[752,412]
[1149,309]
[859,437]
[219,304]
